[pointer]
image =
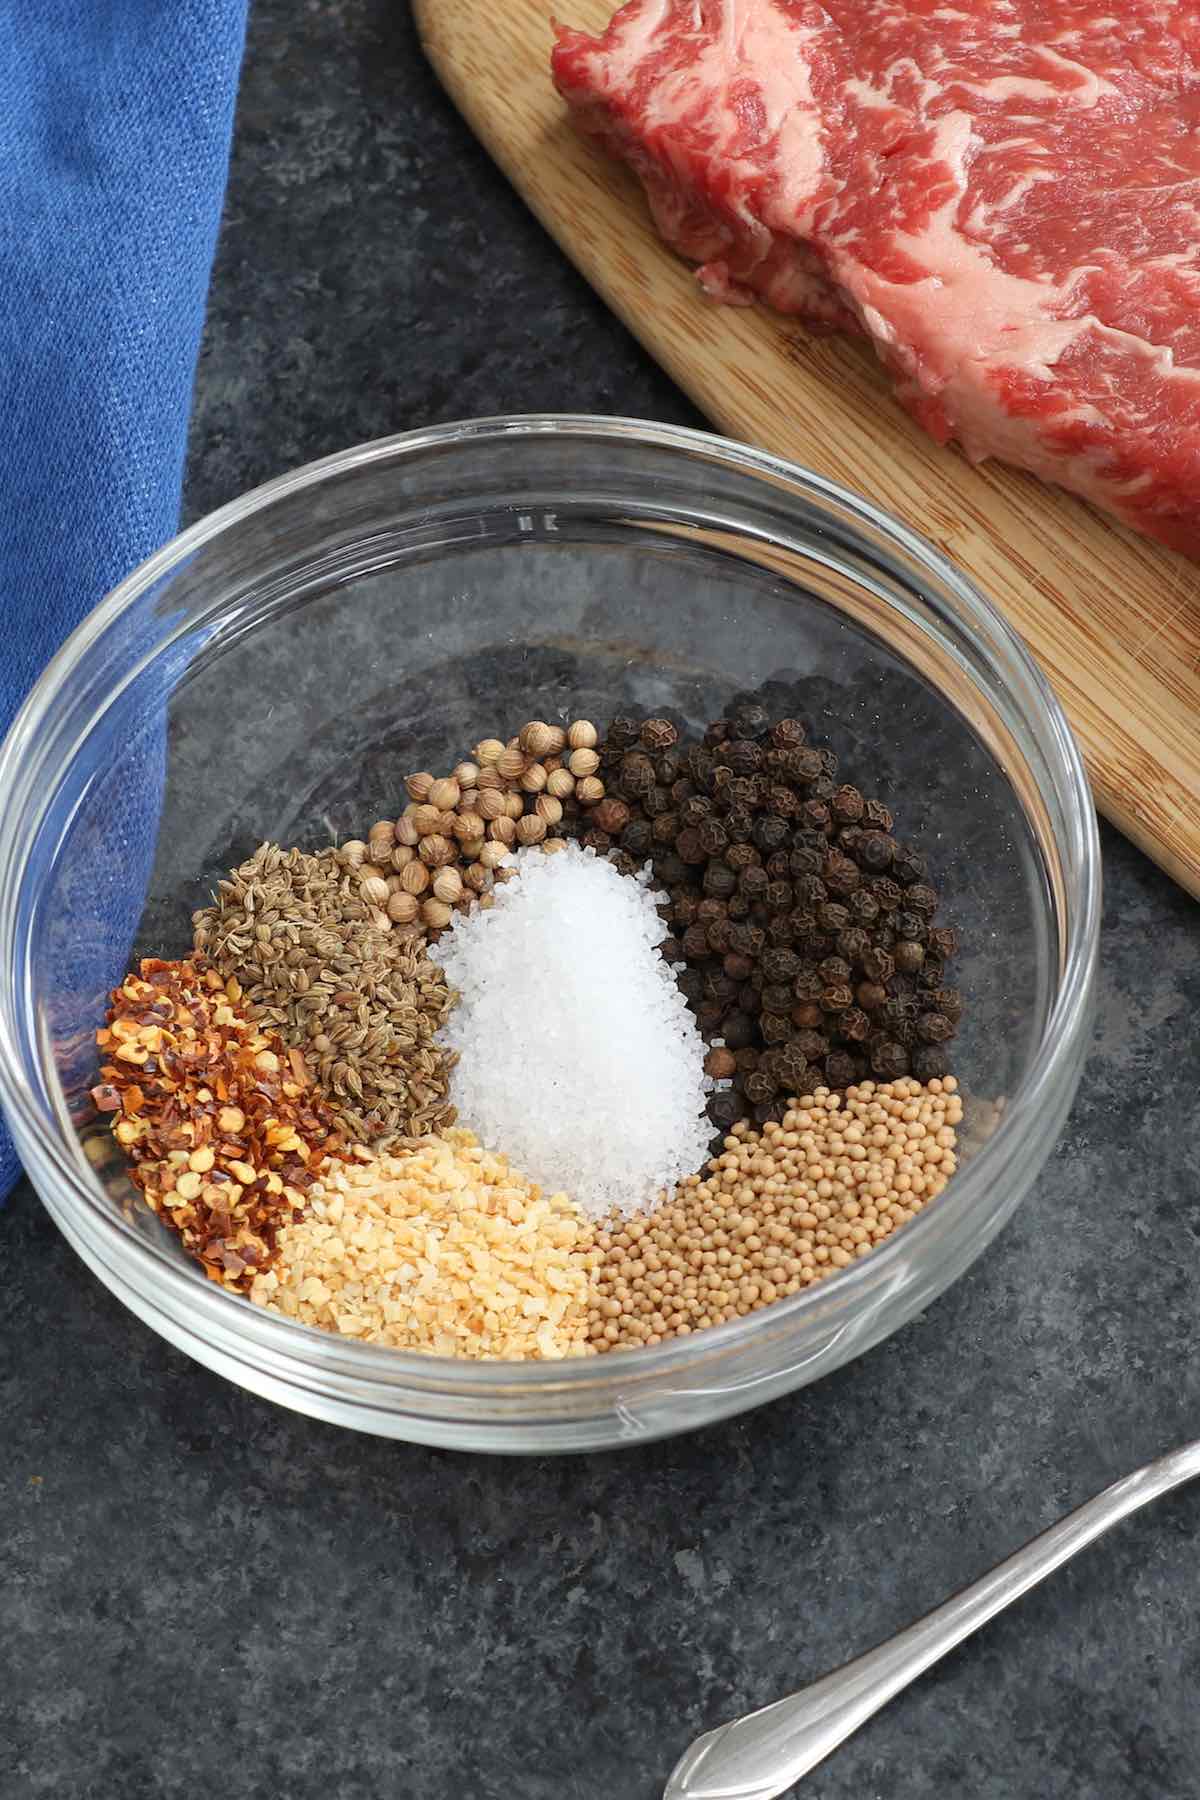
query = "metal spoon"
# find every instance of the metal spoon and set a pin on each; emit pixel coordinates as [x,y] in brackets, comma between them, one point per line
[764,1753]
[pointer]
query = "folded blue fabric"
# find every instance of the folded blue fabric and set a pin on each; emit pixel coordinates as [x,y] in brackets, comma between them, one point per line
[115,121]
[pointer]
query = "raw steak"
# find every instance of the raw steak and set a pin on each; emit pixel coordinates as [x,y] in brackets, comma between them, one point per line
[1004,195]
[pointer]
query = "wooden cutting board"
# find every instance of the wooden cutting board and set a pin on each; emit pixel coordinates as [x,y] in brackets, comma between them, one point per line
[1114,620]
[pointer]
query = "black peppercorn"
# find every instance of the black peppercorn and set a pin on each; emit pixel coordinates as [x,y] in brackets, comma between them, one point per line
[922,899]
[834,972]
[899,1016]
[778,897]
[776,1028]
[671,950]
[829,762]
[746,1059]
[760,1086]
[713,837]
[637,837]
[814,815]
[833,916]
[708,1017]
[870,995]
[737,1028]
[909,955]
[741,755]
[665,828]
[622,733]
[853,944]
[736,966]
[683,790]
[688,847]
[840,875]
[804,860]
[668,767]
[887,894]
[836,999]
[657,734]
[779,866]
[670,871]
[754,882]
[841,1070]
[725,1108]
[943,942]
[747,940]
[750,996]
[874,851]
[718,935]
[948,1001]
[739,824]
[878,965]
[877,816]
[801,766]
[907,867]
[806,1015]
[599,841]
[935,1028]
[889,1060]
[910,925]
[742,791]
[777,997]
[694,811]
[657,801]
[810,890]
[779,931]
[700,765]
[719,880]
[930,1062]
[864,907]
[854,1025]
[783,804]
[769,833]
[823,788]
[781,966]
[749,721]
[847,805]
[635,776]
[767,1112]
[711,907]
[695,942]
[932,975]
[788,734]
[691,985]
[718,987]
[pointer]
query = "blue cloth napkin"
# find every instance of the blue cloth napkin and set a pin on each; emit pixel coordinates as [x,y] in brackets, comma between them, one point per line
[115,121]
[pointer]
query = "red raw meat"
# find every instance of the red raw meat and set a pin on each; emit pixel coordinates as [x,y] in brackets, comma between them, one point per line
[1004,195]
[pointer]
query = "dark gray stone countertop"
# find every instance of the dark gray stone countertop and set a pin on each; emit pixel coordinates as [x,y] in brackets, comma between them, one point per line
[203,1595]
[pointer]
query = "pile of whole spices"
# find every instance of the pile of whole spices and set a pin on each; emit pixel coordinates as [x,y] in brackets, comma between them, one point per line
[440,1248]
[806,928]
[220,1121]
[725,925]
[298,932]
[456,836]
[777,1211]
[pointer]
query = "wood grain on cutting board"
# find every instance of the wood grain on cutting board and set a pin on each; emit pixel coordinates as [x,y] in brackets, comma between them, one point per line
[1114,620]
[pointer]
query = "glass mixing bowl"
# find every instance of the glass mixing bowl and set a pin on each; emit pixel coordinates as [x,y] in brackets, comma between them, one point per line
[274,673]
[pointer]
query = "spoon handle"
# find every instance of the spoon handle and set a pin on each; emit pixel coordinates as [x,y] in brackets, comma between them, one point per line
[763,1753]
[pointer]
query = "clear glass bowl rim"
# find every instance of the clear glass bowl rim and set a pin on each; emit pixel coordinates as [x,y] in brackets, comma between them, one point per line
[300,1345]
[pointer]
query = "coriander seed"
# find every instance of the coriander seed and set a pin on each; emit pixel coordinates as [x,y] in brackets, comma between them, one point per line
[419,785]
[583,762]
[582,735]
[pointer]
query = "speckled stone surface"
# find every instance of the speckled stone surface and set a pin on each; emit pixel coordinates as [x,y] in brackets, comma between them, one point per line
[202,1594]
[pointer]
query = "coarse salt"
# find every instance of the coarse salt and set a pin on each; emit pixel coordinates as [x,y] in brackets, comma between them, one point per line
[577,1053]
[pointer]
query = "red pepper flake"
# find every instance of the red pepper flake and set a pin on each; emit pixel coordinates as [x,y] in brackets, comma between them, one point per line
[220,1153]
